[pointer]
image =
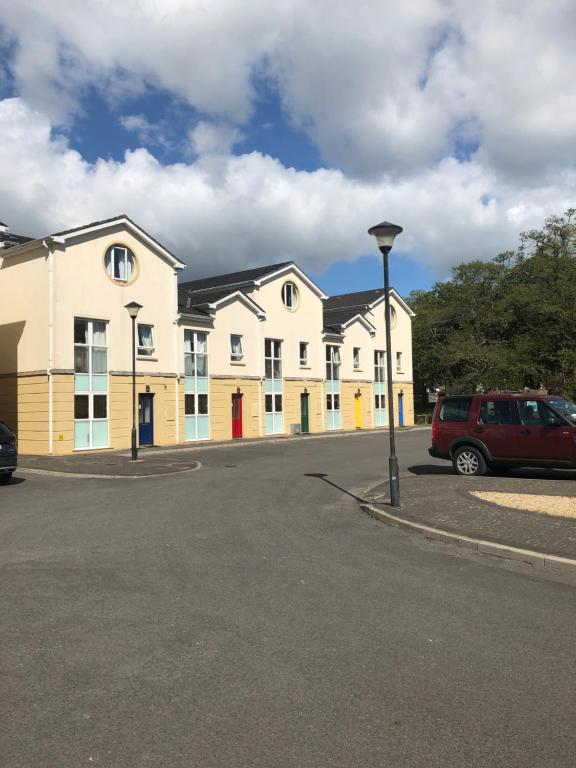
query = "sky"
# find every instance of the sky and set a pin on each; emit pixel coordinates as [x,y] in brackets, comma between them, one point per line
[249,132]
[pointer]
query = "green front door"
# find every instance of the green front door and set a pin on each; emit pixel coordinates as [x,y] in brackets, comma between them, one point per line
[304,412]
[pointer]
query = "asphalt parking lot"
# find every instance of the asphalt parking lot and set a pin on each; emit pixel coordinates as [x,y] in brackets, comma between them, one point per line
[248,614]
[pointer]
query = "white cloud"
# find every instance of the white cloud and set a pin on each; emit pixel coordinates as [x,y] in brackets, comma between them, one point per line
[149,133]
[213,138]
[380,86]
[226,212]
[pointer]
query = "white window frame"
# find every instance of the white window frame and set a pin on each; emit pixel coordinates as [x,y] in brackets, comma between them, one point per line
[129,260]
[275,344]
[195,396]
[333,362]
[290,295]
[356,358]
[331,399]
[90,394]
[195,354]
[275,355]
[304,357]
[236,357]
[145,351]
[398,362]
[379,365]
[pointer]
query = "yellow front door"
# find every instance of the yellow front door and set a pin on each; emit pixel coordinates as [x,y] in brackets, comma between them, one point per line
[358,411]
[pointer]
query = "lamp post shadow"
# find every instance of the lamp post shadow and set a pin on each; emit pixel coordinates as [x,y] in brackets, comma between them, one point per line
[323,476]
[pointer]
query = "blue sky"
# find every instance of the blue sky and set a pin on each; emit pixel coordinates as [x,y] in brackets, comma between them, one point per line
[244,139]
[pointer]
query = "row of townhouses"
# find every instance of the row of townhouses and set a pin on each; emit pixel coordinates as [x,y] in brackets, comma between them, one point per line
[247,354]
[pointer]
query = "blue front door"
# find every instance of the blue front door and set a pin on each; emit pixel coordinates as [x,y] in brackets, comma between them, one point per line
[146,419]
[401,409]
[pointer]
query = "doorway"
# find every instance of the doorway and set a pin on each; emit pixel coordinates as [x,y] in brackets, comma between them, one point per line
[400,409]
[146,419]
[304,420]
[358,410]
[237,415]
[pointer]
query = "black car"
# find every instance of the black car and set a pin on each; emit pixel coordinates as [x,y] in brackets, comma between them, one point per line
[8,453]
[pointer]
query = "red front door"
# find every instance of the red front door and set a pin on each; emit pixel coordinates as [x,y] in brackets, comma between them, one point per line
[236,415]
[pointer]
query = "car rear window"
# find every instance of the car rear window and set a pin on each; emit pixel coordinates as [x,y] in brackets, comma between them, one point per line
[455,409]
[4,431]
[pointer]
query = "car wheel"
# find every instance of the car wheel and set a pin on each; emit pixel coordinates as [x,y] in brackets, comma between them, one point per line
[469,461]
[5,478]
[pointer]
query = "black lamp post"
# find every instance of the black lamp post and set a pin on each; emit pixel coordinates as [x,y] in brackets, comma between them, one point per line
[133,309]
[385,232]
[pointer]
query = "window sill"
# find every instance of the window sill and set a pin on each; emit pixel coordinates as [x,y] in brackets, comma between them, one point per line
[237,362]
[305,367]
[147,357]
[358,370]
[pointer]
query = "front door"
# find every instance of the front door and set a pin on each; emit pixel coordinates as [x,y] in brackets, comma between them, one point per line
[236,415]
[400,409]
[358,411]
[146,419]
[304,422]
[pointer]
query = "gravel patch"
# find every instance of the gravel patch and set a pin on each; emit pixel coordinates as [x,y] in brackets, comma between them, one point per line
[557,506]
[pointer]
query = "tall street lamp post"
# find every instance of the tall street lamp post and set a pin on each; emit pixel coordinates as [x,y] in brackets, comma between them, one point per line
[385,232]
[133,309]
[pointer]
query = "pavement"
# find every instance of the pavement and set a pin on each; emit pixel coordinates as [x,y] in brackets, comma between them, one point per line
[250,615]
[108,464]
[434,496]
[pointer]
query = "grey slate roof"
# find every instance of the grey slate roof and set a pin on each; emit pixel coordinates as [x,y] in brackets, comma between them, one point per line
[9,239]
[358,299]
[235,279]
[197,294]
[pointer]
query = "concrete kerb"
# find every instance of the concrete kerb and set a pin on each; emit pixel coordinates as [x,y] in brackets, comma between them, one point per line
[243,442]
[87,476]
[482,546]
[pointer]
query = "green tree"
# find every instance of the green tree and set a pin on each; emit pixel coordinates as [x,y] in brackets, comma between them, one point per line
[505,324]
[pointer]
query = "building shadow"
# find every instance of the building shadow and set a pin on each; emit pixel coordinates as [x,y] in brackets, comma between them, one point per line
[323,476]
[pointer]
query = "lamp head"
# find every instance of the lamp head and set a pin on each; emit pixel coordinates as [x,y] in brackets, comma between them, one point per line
[133,309]
[385,232]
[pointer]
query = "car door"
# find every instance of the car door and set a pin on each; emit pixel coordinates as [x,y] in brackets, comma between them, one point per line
[543,436]
[497,426]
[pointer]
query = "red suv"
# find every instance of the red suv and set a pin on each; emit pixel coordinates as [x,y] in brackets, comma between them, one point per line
[477,432]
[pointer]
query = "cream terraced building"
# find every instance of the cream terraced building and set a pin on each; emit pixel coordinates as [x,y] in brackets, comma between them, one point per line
[247,354]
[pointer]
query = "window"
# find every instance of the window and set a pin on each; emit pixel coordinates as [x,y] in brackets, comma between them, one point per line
[90,383]
[195,354]
[398,362]
[333,402]
[379,365]
[236,353]
[380,402]
[272,359]
[496,412]
[332,363]
[119,262]
[356,358]
[274,404]
[290,295]
[536,413]
[196,404]
[145,339]
[90,350]
[303,353]
[455,409]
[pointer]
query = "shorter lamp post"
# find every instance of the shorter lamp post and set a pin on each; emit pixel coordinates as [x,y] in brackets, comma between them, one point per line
[385,232]
[133,309]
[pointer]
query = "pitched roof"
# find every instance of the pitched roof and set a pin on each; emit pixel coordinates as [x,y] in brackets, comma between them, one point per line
[357,299]
[10,240]
[122,218]
[233,279]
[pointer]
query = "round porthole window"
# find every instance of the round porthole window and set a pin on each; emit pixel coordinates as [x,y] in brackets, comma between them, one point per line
[290,295]
[120,263]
